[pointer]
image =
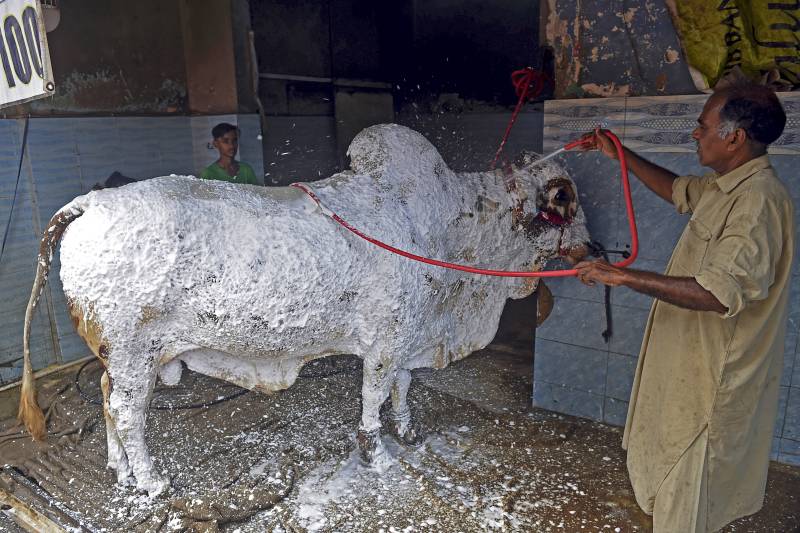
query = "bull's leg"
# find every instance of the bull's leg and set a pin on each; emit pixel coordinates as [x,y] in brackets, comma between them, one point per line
[170,373]
[377,382]
[403,427]
[117,459]
[130,396]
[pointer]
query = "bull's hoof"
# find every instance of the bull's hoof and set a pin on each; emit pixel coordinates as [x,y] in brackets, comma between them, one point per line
[154,485]
[407,433]
[124,473]
[125,480]
[367,444]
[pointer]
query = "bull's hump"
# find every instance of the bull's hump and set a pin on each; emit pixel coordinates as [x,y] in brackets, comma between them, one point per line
[390,147]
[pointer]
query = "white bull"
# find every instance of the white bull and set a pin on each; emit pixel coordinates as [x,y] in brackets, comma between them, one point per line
[247,283]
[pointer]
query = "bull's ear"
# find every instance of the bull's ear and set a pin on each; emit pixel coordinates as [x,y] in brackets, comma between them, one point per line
[577,254]
[541,201]
[544,302]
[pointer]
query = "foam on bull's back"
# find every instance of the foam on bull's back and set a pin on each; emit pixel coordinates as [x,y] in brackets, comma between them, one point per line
[224,250]
[227,253]
[224,253]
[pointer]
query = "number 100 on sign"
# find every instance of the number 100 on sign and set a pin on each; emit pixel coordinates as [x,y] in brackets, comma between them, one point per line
[24,58]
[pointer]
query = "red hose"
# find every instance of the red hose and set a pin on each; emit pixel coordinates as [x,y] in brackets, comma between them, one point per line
[528,84]
[506,273]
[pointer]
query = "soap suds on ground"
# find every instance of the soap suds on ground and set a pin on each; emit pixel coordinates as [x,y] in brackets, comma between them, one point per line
[284,462]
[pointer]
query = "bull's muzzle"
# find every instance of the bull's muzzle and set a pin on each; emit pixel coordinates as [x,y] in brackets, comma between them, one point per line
[558,203]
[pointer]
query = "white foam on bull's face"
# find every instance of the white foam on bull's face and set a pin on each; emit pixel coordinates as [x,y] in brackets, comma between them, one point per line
[247,283]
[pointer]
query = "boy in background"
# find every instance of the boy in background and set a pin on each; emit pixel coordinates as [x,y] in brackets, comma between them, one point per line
[226,168]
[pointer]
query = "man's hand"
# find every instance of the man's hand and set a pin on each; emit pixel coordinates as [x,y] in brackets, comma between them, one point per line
[590,272]
[681,291]
[598,140]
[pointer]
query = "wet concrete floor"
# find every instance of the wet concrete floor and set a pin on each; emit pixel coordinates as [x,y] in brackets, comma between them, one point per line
[285,462]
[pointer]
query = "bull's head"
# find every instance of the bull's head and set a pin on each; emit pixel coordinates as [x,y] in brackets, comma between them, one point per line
[558,202]
[546,199]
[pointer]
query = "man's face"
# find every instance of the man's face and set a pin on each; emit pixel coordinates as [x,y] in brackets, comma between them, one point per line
[711,149]
[228,144]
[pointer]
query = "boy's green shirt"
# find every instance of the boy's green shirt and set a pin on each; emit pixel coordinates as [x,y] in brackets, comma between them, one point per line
[216,172]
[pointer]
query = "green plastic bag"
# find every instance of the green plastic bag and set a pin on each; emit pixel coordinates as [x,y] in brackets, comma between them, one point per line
[761,37]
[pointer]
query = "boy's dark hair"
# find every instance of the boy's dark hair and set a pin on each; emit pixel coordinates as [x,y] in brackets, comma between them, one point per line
[221,129]
[754,108]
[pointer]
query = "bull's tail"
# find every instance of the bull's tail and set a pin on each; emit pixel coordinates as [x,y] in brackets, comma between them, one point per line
[30,413]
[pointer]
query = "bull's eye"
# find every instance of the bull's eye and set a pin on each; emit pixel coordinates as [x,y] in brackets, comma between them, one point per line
[562,197]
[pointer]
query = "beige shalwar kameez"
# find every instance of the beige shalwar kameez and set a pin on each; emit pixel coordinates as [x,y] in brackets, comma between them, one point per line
[705,394]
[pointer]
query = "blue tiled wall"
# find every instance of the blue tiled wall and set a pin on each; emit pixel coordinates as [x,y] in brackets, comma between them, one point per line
[64,158]
[575,370]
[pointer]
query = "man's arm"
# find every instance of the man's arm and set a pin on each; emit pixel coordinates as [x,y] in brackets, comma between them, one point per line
[656,178]
[680,291]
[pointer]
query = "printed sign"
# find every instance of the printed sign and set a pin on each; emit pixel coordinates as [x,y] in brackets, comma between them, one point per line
[24,59]
[758,36]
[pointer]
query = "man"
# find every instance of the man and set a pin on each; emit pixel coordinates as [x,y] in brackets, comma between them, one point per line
[227,168]
[704,399]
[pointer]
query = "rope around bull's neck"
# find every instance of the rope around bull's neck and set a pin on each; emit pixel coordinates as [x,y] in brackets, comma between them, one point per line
[492,272]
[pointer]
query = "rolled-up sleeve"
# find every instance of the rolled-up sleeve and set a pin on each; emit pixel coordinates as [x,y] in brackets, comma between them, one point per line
[740,266]
[687,190]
